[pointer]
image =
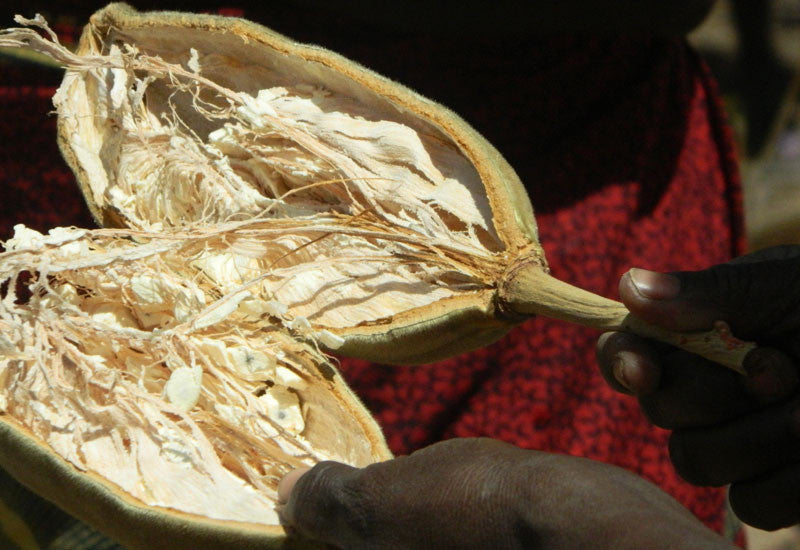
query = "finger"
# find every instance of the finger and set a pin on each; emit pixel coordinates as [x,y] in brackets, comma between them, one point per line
[681,302]
[321,504]
[286,485]
[771,375]
[738,450]
[628,363]
[758,298]
[769,254]
[768,502]
[694,392]
[654,297]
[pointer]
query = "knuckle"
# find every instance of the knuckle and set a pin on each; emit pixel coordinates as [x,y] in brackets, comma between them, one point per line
[363,503]
[690,461]
[742,503]
[757,504]
[752,295]
[693,393]
[658,409]
[663,406]
[772,253]
[725,289]
[327,503]
[772,375]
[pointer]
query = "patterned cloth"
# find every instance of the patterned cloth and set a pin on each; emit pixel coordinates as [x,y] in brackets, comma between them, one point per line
[623,147]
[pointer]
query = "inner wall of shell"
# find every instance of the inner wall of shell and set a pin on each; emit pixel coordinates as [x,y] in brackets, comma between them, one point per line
[130,364]
[271,136]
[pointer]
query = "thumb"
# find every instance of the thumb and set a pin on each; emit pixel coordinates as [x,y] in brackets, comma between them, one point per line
[758,299]
[320,504]
[286,485]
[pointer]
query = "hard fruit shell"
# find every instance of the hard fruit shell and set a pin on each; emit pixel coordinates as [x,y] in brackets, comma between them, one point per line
[109,510]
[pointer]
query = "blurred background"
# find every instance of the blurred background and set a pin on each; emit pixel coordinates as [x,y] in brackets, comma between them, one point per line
[753,48]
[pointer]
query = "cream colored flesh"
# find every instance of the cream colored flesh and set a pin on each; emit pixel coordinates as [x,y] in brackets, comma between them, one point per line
[136,371]
[194,136]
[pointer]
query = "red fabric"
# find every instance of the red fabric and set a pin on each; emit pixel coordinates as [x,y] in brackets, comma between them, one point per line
[623,148]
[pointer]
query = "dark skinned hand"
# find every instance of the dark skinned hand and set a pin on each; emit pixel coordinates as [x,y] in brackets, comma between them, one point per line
[726,428]
[482,493]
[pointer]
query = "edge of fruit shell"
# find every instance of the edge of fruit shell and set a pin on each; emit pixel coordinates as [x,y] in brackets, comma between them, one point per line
[116,514]
[103,505]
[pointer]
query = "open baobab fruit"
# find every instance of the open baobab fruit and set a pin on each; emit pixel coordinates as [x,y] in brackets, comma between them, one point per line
[264,201]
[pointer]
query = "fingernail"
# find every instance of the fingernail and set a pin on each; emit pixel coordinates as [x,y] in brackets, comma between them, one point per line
[770,374]
[654,285]
[286,484]
[756,362]
[618,366]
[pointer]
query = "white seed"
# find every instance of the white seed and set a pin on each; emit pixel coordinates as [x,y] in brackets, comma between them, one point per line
[276,309]
[329,339]
[24,237]
[283,408]
[289,378]
[183,387]
[148,289]
[114,315]
[194,61]
[216,350]
[250,361]
[253,308]
[300,324]
[188,303]
[68,293]
[219,311]
[151,321]
[227,269]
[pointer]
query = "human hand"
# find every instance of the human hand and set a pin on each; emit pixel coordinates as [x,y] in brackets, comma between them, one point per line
[727,428]
[483,493]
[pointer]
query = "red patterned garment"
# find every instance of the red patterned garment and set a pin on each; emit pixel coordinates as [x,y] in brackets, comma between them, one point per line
[623,147]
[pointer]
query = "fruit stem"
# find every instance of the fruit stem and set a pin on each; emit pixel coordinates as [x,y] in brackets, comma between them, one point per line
[527,290]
